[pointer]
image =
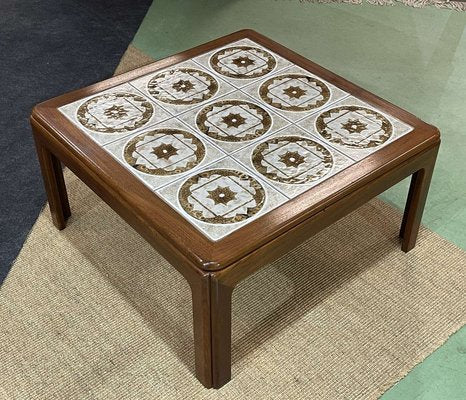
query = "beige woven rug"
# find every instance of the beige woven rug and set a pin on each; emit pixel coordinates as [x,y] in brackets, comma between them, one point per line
[93,312]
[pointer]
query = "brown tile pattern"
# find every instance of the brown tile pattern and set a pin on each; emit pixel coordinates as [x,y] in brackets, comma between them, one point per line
[232,134]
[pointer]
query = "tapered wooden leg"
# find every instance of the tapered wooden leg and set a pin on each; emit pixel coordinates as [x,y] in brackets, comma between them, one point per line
[52,174]
[417,195]
[212,331]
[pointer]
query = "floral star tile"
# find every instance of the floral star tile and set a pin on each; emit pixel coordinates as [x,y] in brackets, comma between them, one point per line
[164,153]
[294,93]
[292,161]
[114,113]
[221,198]
[182,86]
[242,62]
[233,121]
[354,127]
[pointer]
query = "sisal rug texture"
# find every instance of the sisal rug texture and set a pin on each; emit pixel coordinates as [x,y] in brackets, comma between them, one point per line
[93,312]
[132,59]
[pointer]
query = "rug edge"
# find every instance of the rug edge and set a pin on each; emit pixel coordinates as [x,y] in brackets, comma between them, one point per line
[132,58]
[377,393]
[449,5]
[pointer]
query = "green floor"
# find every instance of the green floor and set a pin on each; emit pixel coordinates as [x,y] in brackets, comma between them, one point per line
[415,58]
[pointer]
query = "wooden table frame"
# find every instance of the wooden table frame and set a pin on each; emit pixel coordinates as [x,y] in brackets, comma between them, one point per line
[213,269]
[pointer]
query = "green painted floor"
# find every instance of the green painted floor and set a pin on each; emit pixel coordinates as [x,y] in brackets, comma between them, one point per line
[415,58]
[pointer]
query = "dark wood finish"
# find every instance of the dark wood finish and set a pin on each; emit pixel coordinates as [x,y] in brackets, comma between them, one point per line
[52,174]
[202,326]
[214,268]
[220,316]
[212,331]
[417,195]
[273,250]
[123,201]
[206,254]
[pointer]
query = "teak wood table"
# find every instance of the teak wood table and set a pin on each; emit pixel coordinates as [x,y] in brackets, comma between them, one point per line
[225,157]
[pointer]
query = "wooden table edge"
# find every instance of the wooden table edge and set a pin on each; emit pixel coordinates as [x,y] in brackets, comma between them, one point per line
[272,250]
[212,259]
[187,266]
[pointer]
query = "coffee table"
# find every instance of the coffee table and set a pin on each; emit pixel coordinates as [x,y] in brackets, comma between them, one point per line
[227,156]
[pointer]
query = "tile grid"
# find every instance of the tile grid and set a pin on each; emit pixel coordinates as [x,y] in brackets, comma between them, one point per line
[218,76]
[171,116]
[293,130]
[262,179]
[264,137]
[290,123]
[267,106]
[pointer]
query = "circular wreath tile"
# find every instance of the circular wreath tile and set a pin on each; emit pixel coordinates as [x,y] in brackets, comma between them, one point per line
[354,127]
[221,196]
[182,86]
[294,92]
[115,112]
[233,121]
[243,62]
[292,160]
[164,152]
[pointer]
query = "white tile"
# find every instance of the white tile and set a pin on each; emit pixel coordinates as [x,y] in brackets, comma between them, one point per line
[242,62]
[114,113]
[164,153]
[355,128]
[225,143]
[233,121]
[294,93]
[221,198]
[182,86]
[292,161]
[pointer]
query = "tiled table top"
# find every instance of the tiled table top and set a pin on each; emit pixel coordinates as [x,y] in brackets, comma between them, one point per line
[233,133]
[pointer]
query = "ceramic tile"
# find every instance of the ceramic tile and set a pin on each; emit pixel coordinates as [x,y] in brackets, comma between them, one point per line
[221,198]
[224,141]
[164,153]
[355,128]
[292,161]
[242,62]
[182,86]
[233,121]
[294,92]
[114,113]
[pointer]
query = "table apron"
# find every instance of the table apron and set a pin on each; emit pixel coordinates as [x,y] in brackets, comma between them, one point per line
[184,265]
[289,240]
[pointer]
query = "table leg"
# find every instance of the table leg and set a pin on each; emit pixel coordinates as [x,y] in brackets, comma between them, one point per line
[417,195]
[212,331]
[52,174]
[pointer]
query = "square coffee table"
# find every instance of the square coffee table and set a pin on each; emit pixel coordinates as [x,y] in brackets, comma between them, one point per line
[225,157]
